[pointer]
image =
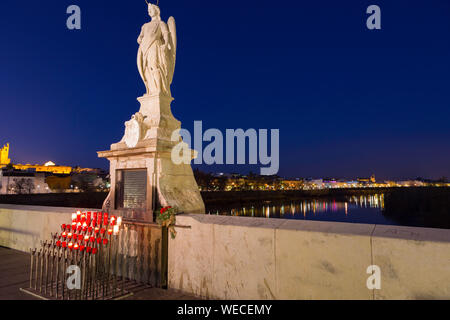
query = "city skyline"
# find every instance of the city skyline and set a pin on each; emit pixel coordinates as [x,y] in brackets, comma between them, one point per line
[348,102]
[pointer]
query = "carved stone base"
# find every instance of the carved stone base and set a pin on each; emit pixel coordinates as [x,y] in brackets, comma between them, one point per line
[168,184]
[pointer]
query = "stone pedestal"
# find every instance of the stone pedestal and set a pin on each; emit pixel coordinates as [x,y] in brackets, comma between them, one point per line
[146,149]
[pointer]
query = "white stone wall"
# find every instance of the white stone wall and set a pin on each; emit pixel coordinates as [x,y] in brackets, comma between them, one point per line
[256,258]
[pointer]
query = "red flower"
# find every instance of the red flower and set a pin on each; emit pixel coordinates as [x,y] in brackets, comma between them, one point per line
[165,209]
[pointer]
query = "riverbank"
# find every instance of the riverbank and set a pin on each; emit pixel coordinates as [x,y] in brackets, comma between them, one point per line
[220,198]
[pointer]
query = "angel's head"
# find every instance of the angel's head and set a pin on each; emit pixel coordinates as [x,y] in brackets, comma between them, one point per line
[153,11]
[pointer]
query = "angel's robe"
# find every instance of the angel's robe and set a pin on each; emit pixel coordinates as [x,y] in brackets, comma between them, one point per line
[153,58]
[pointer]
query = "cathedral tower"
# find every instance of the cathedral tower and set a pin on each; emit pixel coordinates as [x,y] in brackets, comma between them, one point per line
[4,155]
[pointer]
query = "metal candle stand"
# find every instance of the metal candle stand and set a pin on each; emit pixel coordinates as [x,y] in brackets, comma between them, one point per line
[91,243]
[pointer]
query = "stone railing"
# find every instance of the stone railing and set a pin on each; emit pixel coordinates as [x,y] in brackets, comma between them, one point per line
[255,258]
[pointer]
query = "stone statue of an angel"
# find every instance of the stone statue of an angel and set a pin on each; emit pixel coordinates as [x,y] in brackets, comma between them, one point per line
[157,53]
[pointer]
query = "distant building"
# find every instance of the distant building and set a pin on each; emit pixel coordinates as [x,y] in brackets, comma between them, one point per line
[411,183]
[292,184]
[17,182]
[367,180]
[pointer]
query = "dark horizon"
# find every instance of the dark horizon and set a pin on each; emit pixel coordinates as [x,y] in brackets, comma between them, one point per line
[349,102]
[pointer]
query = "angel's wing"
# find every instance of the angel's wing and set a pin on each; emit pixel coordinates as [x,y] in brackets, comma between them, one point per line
[173,42]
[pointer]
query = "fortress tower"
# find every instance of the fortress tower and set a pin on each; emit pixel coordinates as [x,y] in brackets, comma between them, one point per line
[4,155]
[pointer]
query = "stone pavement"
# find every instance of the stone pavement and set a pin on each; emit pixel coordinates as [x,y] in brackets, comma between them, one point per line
[14,274]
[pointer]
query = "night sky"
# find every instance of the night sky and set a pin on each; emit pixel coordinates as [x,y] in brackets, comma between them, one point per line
[348,101]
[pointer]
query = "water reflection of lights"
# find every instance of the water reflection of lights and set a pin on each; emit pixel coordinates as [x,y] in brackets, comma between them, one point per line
[316,207]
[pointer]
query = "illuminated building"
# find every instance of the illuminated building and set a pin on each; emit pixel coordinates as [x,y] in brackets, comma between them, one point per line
[4,155]
[48,167]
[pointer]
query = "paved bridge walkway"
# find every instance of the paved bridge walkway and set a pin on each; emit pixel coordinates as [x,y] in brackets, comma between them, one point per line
[14,274]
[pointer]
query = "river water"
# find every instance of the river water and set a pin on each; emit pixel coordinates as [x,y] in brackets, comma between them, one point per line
[356,209]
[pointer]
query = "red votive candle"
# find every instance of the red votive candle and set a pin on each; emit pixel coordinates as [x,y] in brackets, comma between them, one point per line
[102,230]
[64,244]
[110,231]
[94,250]
[63,227]
[76,246]
[96,230]
[99,240]
[64,234]
[105,241]
[58,243]
[70,245]
[89,249]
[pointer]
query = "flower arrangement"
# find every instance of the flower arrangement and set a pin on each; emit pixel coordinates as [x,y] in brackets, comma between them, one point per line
[166,218]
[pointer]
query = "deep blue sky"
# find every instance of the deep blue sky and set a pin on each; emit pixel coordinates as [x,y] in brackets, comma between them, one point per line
[348,101]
